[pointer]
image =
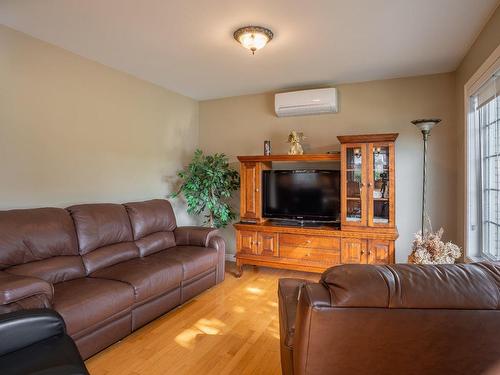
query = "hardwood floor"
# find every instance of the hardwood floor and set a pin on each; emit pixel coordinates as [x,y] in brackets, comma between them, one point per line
[232,328]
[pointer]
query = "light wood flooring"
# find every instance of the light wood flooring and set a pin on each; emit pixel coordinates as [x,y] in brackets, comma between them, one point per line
[232,328]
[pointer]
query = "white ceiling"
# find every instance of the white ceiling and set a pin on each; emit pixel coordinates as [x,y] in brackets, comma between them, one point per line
[187,46]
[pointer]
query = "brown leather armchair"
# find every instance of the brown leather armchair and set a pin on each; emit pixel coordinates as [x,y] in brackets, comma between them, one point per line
[392,319]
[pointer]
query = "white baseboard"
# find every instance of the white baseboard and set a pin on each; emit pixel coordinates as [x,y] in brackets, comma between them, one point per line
[230,258]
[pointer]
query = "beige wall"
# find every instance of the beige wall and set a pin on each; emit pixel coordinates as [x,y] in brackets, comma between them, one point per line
[239,125]
[72,130]
[486,42]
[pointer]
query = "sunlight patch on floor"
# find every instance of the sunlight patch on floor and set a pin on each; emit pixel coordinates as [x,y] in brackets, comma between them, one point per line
[255,290]
[187,338]
[239,309]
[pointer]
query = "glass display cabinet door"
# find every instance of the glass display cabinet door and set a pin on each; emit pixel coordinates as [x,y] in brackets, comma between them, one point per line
[354,194]
[381,184]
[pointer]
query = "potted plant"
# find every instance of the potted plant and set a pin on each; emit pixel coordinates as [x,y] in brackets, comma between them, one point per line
[207,184]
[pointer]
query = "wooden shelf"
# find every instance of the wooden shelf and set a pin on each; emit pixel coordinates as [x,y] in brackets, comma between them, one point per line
[304,158]
[269,226]
[325,230]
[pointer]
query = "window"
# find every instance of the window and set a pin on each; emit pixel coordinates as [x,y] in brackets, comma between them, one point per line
[483,169]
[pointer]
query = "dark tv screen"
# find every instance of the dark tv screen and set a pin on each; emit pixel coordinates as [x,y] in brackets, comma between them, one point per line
[312,195]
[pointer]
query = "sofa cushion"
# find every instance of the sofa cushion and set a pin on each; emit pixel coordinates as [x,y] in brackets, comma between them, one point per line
[35,234]
[104,235]
[100,224]
[148,277]
[107,256]
[54,270]
[151,216]
[86,302]
[195,260]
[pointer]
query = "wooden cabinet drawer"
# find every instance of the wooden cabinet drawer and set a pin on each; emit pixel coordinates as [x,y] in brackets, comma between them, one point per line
[318,249]
[317,242]
[329,257]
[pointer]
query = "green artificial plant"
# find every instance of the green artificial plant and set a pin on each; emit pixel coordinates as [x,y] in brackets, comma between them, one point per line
[207,184]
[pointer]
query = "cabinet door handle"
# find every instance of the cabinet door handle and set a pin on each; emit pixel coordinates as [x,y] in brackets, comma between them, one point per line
[257,190]
[369,184]
[362,252]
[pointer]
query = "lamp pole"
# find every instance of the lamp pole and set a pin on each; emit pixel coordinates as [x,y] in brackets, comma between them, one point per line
[425,126]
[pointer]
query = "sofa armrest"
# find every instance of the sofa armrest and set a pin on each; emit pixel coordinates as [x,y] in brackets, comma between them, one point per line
[20,329]
[288,298]
[194,236]
[312,299]
[14,288]
[217,243]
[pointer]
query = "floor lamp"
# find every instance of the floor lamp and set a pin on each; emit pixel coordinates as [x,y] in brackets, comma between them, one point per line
[425,126]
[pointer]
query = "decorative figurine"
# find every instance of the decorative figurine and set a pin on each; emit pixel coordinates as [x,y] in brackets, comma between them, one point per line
[267,148]
[294,138]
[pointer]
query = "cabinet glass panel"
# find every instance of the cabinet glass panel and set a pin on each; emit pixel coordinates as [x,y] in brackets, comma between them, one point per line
[354,170]
[381,194]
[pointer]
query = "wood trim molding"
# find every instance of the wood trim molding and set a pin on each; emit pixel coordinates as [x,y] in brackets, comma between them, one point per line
[306,157]
[490,65]
[366,138]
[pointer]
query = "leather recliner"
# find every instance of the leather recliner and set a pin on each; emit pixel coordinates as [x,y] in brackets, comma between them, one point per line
[392,319]
[108,269]
[35,342]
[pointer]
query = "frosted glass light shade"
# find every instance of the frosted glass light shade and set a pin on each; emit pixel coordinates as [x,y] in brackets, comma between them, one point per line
[426,125]
[253,37]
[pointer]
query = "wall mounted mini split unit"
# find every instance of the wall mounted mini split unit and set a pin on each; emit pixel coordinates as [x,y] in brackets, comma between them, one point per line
[306,102]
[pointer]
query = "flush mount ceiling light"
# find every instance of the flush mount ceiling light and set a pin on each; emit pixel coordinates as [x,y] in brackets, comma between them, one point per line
[253,37]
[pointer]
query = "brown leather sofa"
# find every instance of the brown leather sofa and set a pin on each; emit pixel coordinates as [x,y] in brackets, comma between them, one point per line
[108,269]
[393,319]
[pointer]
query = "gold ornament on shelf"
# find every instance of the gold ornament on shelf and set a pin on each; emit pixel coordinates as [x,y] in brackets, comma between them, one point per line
[294,138]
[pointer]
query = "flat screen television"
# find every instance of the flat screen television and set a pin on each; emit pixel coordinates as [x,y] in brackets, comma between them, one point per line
[305,195]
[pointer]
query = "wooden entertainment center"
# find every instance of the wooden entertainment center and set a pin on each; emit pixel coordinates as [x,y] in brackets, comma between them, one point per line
[367,213]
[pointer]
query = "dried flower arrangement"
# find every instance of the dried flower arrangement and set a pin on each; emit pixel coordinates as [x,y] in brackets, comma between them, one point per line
[430,249]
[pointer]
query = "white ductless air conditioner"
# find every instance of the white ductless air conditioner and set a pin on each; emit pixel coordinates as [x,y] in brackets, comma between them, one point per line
[306,102]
